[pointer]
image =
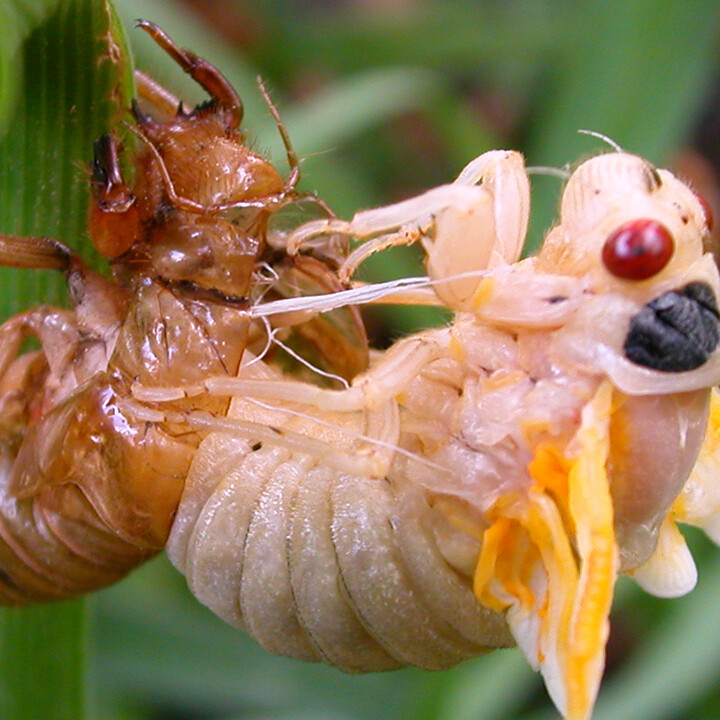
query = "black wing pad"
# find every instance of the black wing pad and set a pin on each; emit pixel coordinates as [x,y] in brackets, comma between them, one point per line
[677,331]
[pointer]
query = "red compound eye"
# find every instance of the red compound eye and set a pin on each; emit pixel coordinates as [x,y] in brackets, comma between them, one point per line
[707,211]
[638,249]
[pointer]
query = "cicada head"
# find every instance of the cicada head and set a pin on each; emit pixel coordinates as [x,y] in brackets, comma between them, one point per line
[196,214]
[634,234]
[622,220]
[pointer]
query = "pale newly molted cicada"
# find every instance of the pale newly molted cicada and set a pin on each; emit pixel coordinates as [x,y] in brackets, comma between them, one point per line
[89,491]
[487,481]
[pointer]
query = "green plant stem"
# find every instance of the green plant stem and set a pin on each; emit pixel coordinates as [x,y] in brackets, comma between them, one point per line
[66,80]
[43,655]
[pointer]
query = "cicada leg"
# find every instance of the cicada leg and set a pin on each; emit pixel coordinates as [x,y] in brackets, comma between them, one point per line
[114,221]
[55,329]
[160,98]
[305,417]
[356,443]
[463,226]
[380,383]
[34,253]
[362,226]
[292,179]
[205,74]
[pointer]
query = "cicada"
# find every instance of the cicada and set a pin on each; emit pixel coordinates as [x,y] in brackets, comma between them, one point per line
[478,485]
[486,482]
[89,491]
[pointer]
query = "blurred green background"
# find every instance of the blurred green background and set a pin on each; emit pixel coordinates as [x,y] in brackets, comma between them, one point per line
[384,98]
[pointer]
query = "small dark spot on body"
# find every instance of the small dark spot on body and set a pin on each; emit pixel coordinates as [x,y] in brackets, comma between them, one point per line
[163,212]
[555,299]
[685,219]
[256,447]
[654,179]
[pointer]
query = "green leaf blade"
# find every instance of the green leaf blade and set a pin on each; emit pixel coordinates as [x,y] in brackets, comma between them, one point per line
[66,79]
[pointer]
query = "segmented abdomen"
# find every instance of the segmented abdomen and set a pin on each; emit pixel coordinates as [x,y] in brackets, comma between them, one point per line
[58,537]
[325,565]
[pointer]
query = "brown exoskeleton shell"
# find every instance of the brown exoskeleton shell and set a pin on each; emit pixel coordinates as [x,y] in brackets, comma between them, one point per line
[88,491]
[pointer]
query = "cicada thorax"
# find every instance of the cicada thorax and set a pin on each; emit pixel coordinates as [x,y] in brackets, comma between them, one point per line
[203,200]
[91,478]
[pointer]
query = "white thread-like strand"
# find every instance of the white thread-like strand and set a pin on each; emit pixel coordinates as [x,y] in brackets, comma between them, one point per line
[562,173]
[332,301]
[266,349]
[604,138]
[358,295]
[307,363]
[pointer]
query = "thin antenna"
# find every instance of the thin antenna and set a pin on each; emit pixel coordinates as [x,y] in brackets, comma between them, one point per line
[602,137]
[293,162]
[562,173]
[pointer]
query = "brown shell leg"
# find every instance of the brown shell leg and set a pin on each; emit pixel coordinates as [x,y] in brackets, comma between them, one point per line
[160,98]
[33,253]
[114,216]
[205,74]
